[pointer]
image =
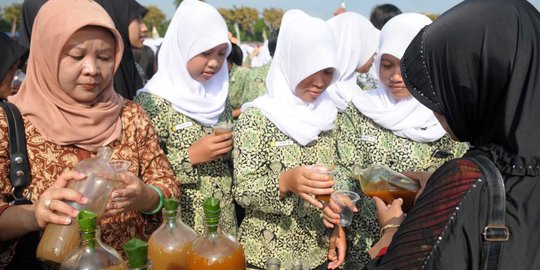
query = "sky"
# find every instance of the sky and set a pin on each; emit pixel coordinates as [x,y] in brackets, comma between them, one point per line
[319,8]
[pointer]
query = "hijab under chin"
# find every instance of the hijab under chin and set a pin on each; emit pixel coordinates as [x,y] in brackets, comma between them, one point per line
[357,41]
[58,117]
[406,117]
[195,28]
[305,46]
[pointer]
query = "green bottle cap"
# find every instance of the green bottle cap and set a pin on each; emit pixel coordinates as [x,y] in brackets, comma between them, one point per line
[171,204]
[87,220]
[212,210]
[137,252]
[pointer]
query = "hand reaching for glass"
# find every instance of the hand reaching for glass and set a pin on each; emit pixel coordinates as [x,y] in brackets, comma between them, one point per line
[340,209]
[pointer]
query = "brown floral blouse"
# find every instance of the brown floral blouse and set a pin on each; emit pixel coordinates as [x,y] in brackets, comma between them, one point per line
[137,144]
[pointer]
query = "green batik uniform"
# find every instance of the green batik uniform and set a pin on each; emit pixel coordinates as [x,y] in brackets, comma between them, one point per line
[246,84]
[368,80]
[288,228]
[176,133]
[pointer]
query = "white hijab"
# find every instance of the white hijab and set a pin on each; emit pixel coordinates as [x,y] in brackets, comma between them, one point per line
[357,41]
[305,46]
[195,28]
[406,118]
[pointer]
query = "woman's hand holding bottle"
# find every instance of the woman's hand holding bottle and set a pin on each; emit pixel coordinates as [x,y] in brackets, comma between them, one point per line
[132,194]
[52,206]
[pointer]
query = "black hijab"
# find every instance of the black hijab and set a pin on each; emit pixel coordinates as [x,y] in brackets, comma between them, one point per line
[10,53]
[29,12]
[126,80]
[479,65]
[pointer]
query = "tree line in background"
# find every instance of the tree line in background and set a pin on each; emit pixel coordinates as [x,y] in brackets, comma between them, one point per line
[252,24]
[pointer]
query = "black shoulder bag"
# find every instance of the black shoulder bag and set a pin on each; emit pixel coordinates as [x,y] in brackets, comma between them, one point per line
[19,176]
[496,232]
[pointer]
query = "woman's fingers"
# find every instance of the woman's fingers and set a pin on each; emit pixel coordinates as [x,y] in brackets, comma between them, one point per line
[59,206]
[223,151]
[332,210]
[328,224]
[381,206]
[330,217]
[223,137]
[52,206]
[311,200]
[64,194]
[397,202]
[51,217]
[67,176]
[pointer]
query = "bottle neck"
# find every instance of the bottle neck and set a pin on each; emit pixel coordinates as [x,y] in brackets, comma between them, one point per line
[169,217]
[89,239]
[212,225]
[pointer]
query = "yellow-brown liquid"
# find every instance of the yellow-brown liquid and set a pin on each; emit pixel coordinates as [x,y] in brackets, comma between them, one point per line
[220,131]
[235,261]
[166,259]
[388,192]
[58,241]
[323,198]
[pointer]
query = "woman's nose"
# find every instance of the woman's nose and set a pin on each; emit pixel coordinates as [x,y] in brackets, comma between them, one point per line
[90,68]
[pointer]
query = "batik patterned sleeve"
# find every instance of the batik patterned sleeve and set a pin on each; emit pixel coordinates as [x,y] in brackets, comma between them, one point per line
[256,173]
[5,186]
[154,166]
[168,124]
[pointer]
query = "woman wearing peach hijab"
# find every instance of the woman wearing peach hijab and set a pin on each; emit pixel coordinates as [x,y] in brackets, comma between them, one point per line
[70,109]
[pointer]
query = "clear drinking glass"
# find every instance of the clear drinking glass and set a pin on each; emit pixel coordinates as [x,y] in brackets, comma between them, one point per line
[347,202]
[328,170]
[222,127]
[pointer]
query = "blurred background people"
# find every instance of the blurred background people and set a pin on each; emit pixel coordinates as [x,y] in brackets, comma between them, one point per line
[381,14]
[127,16]
[12,57]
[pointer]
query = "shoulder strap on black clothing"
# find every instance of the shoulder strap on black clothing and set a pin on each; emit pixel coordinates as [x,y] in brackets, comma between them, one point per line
[496,232]
[19,170]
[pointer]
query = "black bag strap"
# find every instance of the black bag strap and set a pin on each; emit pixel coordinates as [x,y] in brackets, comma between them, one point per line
[19,170]
[496,232]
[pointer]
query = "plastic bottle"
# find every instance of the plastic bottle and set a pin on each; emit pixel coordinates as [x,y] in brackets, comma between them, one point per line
[59,240]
